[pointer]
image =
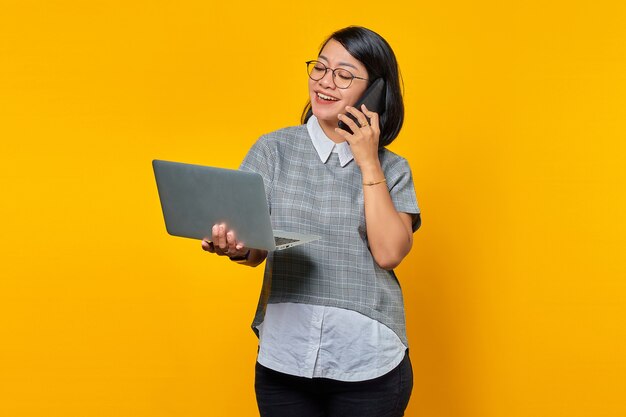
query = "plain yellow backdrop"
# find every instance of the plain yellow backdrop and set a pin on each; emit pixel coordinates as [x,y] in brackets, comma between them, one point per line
[515,131]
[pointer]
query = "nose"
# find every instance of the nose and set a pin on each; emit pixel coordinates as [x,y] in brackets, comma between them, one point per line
[327,80]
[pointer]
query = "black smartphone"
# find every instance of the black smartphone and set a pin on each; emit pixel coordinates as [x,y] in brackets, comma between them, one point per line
[373,100]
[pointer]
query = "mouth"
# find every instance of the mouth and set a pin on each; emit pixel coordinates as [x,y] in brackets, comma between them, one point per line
[325,97]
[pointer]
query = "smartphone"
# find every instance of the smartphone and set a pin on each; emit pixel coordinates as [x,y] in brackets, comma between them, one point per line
[373,100]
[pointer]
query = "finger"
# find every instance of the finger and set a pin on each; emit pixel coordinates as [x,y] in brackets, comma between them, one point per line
[359,116]
[207,245]
[232,242]
[215,236]
[215,232]
[368,112]
[240,250]
[374,118]
[346,135]
[221,237]
[349,122]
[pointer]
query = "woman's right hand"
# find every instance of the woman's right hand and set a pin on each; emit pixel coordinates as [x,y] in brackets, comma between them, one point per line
[223,242]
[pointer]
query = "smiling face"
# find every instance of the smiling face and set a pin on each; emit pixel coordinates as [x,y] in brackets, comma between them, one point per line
[327,101]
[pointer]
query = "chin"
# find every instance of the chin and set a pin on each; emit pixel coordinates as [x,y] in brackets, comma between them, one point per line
[325,114]
[327,119]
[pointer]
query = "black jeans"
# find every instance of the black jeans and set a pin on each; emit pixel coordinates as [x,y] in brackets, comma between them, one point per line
[282,395]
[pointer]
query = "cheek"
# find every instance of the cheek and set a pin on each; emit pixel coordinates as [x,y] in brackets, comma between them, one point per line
[354,96]
[311,85]
[352,99]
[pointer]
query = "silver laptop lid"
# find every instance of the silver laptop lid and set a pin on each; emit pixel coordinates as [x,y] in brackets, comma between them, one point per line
[195,197]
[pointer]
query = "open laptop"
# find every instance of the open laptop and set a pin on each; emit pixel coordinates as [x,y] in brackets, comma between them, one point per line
[195,197]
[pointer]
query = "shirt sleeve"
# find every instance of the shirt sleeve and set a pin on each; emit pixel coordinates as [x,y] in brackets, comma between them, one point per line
[402,191]
[260,159]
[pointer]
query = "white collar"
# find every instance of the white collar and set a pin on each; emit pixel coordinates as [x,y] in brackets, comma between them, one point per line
[324,146]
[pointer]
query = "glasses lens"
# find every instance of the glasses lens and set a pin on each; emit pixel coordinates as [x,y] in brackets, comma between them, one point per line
[316,70]
[343,78]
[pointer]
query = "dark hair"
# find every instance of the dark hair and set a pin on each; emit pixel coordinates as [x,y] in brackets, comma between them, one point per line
[379,60]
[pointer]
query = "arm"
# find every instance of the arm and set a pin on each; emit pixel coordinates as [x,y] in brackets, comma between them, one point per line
[389,232]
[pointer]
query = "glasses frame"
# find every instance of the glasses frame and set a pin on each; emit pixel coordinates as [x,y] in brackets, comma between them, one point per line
[327,68]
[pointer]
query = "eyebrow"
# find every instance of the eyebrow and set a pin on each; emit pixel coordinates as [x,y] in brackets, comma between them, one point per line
[345,64]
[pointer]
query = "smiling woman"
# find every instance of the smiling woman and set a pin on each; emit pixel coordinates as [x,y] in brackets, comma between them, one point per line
[332,90]
[330,321]
[354,72]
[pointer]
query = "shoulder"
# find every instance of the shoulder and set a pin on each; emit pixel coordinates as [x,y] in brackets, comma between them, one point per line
[391,162]
[280,143]
[280,136]
[283,141]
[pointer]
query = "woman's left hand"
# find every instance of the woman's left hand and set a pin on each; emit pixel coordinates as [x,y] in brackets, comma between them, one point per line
[364,139]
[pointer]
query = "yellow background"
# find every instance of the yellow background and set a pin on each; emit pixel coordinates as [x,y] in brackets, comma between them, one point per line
[515,131]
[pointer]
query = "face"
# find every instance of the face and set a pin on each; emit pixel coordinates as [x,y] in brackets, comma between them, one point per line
[327,101]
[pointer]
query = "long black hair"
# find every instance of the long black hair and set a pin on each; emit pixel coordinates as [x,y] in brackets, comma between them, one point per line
[379,60]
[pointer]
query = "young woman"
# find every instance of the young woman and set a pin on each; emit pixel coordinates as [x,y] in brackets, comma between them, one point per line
[330,320]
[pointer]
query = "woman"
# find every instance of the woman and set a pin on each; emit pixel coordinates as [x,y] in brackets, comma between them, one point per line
[330,320]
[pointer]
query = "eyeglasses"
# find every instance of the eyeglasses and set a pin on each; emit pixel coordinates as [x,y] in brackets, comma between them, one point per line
[341,77]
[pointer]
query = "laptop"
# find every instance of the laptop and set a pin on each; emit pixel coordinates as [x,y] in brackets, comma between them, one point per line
[195,197]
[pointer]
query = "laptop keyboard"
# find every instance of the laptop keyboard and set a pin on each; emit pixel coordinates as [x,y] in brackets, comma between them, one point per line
[282,240]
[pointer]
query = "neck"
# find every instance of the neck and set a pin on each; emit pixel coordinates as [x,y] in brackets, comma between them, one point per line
[329,130]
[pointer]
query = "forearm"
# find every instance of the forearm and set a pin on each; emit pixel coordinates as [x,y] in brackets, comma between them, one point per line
[390,237]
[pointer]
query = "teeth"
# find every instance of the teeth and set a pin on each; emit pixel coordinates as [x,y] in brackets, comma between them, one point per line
[325,97]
